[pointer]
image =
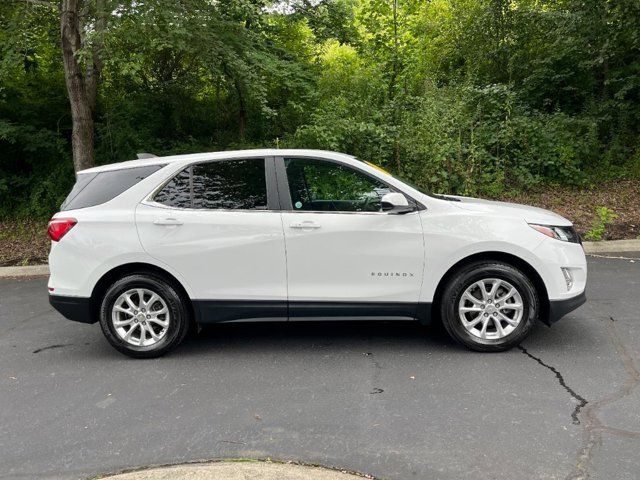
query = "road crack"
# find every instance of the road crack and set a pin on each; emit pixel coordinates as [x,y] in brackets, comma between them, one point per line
[593,427]
[581,400]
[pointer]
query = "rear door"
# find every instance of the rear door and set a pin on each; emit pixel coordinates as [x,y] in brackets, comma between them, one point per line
[345,257]
[217,223]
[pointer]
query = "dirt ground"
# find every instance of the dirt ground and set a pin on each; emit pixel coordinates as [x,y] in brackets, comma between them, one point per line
[23,242]
[579,206]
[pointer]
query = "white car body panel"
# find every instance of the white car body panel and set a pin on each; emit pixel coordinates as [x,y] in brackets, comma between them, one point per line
[227,255]
[354,257]
[528,213]
[95,246]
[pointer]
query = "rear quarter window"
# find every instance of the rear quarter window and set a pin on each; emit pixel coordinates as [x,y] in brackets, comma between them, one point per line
[93,189]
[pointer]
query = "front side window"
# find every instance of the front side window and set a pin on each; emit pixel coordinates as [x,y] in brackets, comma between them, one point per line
[226,184]
[321,186]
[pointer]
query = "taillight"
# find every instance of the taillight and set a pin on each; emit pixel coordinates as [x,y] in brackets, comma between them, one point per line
[58,227]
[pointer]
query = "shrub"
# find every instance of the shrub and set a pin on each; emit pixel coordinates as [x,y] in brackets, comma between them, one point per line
[604,217]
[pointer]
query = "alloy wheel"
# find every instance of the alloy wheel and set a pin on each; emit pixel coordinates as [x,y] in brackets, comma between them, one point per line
[491,308]
[140,317]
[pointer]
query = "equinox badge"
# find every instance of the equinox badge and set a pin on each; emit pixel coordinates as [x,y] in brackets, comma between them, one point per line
[392,274]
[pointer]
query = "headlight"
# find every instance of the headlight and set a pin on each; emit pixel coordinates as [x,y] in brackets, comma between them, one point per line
[565,234]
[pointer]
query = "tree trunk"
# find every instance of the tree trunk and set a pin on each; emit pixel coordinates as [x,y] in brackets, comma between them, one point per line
[242,111]
[94,69]
[79,100]
[242,117]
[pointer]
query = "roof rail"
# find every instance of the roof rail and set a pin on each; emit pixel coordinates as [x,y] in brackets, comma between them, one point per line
[145,155]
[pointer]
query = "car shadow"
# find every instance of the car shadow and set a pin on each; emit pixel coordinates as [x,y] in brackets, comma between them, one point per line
[367,335]
[283,336]
[253,340]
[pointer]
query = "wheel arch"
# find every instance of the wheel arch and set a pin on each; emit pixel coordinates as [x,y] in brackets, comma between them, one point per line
[122,270]
[508,258]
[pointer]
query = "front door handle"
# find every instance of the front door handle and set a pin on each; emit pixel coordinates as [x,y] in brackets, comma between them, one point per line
[167,221]
[304,225]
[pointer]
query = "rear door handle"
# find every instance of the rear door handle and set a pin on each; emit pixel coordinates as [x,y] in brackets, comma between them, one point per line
[167,221]
[304,225]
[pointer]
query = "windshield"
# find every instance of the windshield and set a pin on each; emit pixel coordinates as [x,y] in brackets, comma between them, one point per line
[397,177]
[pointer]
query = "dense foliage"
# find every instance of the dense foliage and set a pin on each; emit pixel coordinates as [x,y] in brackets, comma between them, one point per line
[466,96]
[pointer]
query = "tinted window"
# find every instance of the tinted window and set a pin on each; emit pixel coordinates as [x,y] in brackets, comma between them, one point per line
[234,184]
[317,185]
[95,188]
[228,184]
[82,181]
[176,193]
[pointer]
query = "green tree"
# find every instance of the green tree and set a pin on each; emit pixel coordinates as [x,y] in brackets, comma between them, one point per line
[461,96]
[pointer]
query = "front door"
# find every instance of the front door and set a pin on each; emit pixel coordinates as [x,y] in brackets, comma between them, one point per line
[345,257]
[215,224]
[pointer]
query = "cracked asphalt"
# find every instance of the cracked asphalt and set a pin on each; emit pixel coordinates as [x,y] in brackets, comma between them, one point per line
[393,400]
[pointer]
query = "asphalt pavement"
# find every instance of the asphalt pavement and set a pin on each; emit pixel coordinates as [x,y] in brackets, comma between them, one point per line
[393,400]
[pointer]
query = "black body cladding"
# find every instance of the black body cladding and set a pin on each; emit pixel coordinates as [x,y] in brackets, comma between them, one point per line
[77,309]
[559,308]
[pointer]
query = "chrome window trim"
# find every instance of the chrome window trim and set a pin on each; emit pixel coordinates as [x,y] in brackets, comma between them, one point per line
[324,212]
[152,203]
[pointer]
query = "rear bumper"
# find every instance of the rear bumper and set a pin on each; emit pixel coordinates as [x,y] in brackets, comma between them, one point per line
[559,308]
[77,309]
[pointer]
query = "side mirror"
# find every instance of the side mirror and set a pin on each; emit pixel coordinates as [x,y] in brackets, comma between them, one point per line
[395,203]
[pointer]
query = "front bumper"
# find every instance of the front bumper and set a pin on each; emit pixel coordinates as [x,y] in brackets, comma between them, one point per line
[77,309]
[559,308]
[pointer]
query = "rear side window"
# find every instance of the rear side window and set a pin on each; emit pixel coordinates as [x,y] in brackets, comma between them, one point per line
[95,188]
[177,193]
[236,184]
[227,184]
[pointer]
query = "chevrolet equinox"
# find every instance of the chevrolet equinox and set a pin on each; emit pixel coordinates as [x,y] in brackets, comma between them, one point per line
[150,247]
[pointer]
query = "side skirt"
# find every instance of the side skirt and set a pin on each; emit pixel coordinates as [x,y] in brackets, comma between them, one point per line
[215,311]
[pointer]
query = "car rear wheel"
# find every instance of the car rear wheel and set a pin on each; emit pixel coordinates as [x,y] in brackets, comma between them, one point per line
[143,316]
[489,306]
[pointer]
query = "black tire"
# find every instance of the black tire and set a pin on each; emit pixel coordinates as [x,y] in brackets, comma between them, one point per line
[176,305]
[475,272]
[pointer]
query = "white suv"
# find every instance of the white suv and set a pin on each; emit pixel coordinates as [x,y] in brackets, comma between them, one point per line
[150,247]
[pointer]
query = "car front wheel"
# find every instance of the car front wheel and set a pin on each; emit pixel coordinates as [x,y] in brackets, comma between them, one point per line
[143,316]
[489,306]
